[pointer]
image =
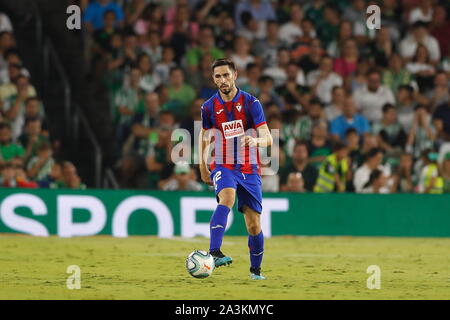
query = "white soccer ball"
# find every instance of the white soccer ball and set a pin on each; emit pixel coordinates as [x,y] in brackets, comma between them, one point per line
[200,264]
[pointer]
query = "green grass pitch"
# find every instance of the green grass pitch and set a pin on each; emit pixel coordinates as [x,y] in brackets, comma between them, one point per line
[296,268]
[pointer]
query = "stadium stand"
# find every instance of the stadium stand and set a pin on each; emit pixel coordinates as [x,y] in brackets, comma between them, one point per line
[140,69]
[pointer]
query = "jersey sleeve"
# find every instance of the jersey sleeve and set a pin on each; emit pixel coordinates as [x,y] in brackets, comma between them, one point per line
[206,120]
[257,113]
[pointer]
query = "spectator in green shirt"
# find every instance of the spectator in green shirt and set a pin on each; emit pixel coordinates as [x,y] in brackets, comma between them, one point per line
[8,150]
[396,75]
[158,159]
[180,92]
[328,30]
[40,166]
[32,137]
[70,177]
[207,46]
[128,102]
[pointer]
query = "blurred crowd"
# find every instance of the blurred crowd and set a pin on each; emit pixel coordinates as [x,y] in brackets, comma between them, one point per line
[358,109]
[28,157]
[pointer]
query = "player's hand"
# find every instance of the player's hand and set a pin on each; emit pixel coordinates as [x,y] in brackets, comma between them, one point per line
[249,141]
[205,175]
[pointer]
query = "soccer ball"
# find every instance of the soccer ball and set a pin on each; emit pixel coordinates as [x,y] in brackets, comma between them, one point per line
[200,264]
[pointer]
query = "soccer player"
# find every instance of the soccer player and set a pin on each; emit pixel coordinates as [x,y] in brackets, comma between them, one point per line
[239,128]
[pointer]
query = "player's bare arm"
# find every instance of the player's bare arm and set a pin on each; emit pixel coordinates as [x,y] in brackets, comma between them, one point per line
[203,155]
[264,138]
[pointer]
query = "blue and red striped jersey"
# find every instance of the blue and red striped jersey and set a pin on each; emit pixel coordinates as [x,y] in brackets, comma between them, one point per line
[243,115]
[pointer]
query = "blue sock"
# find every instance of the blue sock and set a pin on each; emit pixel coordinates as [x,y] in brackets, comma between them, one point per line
[256,246]
[217,227]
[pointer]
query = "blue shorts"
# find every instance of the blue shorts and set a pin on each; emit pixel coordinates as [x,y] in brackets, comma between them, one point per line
[248,187]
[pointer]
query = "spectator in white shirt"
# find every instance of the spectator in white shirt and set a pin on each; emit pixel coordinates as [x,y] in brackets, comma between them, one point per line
[7,42]
[373,160]
[420,64]
[405,106]
[13,61]
[278,73]
[5,23]
[371,98]
[267,48]
[421,68]
[419,35]
[377,183]
[242,57]
[250,27]
[323,80]
[291,31]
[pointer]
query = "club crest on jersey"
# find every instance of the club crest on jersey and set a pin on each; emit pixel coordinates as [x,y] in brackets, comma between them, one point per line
[239,107]
[233,129]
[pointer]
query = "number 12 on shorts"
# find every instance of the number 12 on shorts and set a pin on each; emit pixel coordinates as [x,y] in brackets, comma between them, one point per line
[216,178]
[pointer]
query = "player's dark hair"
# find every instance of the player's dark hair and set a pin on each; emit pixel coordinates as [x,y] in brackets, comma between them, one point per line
[223,62]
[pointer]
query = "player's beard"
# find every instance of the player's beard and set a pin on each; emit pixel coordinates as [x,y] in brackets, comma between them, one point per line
[225,90]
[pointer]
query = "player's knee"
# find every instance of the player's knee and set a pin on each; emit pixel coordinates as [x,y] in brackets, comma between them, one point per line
[227,201]
[254,227]
[227,198]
